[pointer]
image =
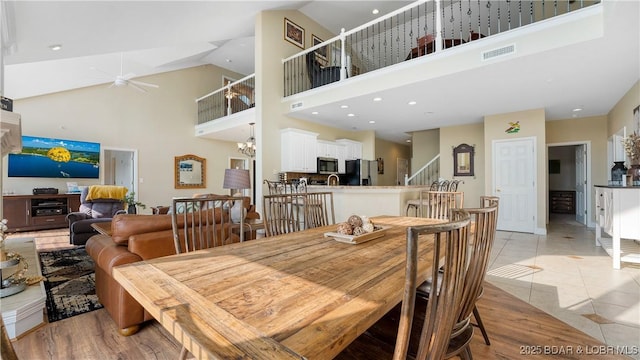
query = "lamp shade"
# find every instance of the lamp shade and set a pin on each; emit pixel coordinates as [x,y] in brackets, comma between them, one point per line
[236,179]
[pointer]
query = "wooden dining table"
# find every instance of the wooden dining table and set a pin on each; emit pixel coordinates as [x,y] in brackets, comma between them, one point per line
[293,296]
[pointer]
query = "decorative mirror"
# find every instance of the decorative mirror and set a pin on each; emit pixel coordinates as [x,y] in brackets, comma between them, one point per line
[463,160]
[190,172]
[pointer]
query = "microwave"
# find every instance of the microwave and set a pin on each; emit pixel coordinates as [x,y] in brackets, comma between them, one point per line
[327,165]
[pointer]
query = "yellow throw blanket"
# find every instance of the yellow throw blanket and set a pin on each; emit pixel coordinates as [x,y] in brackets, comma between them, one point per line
[106,192]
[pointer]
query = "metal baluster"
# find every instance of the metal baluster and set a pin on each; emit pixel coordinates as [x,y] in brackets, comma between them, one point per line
[508,14]
[488,18]
[469,12]
[479,22]
[460,6]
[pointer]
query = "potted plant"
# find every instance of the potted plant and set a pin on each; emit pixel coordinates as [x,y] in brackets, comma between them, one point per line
[132,204]
[631,145]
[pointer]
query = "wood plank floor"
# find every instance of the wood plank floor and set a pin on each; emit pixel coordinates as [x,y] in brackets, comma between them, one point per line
[516,330]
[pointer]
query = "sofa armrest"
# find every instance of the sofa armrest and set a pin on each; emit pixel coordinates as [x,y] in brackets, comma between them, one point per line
[152,245]
[107,254]
[84,226]
[76,216]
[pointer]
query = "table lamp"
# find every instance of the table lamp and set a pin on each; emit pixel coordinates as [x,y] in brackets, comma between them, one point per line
[237,179]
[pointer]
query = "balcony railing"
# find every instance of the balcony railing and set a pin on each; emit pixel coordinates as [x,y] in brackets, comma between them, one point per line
[230,99]
[421,28]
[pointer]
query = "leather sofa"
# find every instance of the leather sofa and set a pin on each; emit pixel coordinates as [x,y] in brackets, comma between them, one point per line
[133,238]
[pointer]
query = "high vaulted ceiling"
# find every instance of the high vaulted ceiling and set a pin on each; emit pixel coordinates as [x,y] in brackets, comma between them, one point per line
[151,36]
[159,36]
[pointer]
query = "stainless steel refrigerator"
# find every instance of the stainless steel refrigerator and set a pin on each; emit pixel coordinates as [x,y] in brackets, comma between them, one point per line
[360,173]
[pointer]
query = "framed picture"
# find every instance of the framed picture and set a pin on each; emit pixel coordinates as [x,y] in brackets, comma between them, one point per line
[321,52]
[636,118]
[293,33]
[380,166]
[463,160]
[554,166]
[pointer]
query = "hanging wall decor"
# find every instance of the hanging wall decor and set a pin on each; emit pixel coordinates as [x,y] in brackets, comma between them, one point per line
[513,128]
[463,160]
[293,33]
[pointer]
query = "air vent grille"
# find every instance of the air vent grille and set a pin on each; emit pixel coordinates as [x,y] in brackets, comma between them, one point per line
[296,105]
[503,51]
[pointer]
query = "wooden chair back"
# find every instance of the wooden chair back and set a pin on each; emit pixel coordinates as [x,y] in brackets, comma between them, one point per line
[450,242]
[292,187]
[282,214]
[205,221]
[318,208]
[436,204]
[482,237]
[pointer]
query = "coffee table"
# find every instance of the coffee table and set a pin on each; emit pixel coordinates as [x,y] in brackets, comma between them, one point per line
[103,228]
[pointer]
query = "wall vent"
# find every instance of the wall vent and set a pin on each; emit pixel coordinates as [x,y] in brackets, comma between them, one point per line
[296,105]
[503,51]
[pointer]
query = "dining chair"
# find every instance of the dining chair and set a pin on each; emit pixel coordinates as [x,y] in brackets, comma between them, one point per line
[486,201]
[204,222]
[282,214]
[291,187]
[436,204]
[450,245]
[483,222]
[482,236]
[318,209]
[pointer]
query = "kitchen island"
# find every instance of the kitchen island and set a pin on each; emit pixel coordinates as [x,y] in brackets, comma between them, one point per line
[369,200]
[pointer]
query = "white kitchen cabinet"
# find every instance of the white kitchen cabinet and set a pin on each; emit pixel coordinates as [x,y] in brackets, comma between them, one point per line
[618,214]
[298,151]
[341,154]
[353,149]
[328,149]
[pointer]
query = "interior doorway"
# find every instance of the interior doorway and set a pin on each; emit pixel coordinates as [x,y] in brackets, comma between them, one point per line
[120,168]
[569,181]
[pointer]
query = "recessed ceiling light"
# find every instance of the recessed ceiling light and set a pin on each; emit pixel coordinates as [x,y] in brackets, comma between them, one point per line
[377,99]
[55,47]
[408,140]
[351,115]
[344,106]
[412,102]
[375,11]
[372,122]
[314,113]
[577,109]
[228,60]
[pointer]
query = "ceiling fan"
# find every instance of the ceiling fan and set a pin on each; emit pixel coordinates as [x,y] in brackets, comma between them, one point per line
[127,79]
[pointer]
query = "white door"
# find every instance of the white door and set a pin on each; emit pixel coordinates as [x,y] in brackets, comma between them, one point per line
[581,183]
[514,182]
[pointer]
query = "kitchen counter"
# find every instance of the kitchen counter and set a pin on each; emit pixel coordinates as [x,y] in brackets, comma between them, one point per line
[369,200]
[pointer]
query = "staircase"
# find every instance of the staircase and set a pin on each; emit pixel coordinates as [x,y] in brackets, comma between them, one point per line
[427,174]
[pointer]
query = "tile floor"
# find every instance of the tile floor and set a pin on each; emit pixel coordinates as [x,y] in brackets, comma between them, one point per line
[565,275]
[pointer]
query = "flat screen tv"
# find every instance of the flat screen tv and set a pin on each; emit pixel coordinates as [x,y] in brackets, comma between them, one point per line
[55,158]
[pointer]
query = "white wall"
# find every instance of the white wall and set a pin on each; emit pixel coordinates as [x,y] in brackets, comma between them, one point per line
[159,124]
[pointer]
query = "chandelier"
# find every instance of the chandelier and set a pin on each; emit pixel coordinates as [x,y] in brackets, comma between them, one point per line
[248,147]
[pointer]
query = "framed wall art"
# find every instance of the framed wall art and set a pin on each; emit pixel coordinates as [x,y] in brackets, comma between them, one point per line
[321,52]
[293,33]
[463,160]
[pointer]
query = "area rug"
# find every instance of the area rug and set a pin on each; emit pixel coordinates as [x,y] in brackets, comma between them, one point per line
[70,283]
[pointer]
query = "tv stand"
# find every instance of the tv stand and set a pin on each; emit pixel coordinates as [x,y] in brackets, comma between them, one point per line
[38,212]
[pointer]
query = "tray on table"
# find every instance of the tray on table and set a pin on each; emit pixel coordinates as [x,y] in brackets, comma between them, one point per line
[379,231]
